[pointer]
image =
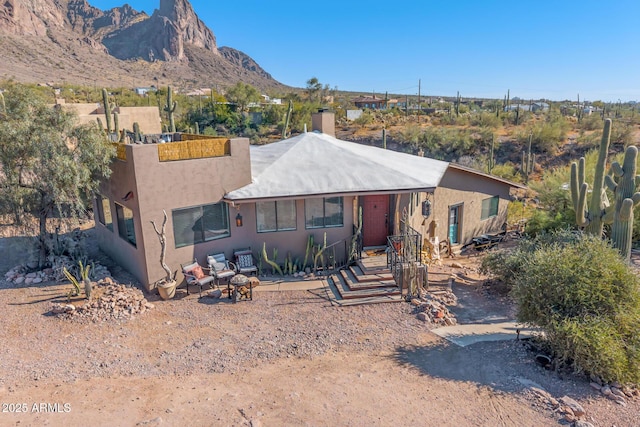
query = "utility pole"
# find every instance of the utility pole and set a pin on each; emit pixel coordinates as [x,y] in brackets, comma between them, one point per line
[419,108]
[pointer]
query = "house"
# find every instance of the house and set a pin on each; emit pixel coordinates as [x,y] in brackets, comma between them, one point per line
[147,117]
[221,194]
[375,103]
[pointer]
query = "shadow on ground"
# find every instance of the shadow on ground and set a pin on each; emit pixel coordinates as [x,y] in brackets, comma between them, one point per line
[501,365]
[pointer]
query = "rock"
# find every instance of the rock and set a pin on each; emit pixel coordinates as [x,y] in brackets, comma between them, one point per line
[416,302]
[19,280]
[154,422]
[255,423]
[456,264]
[582,423]
[149,305]
[595,386]
[577,409]
[31,275]
[617,392]
[216,293]
[423,316]
[28,280]
[37,280]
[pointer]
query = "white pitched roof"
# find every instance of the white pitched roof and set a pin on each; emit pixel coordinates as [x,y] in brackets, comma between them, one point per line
[318,164]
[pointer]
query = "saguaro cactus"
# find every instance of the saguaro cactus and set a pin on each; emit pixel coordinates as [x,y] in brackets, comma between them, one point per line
[491,163]
[528,161]
[170,108]
[137,135]
[591,218]
[107,109]
[626,198]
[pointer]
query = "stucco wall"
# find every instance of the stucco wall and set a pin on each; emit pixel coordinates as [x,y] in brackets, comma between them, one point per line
[166,185]
[468,189]
[147,117]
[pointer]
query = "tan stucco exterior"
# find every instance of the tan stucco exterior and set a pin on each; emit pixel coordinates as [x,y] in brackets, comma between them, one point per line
[468,190]
[170,185]
[147,117]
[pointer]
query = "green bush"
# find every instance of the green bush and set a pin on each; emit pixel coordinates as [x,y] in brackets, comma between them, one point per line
[584,297]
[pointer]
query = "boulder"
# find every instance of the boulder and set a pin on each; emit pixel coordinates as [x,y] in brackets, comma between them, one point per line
[577,409]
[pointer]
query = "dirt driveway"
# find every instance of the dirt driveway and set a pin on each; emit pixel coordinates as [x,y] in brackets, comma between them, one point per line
[287,358]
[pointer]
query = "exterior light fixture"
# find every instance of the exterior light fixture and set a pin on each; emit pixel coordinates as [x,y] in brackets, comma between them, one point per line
[238,220]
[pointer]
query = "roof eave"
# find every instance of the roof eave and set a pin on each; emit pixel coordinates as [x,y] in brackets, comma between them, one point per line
[238,200]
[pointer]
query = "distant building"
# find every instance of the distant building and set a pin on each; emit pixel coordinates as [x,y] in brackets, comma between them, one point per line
[375,103]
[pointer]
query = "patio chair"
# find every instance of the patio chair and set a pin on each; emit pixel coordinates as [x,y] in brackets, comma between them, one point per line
[221,268]
[195,274]
[245,263]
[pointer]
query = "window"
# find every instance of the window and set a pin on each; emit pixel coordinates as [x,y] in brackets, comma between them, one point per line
[200,224]
[327,212]
[126,229]
[489,207]
[104,211]
[276,216]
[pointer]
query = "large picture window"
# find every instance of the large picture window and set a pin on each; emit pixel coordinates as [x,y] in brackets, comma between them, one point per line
[200,224]
[126,228]
[276,216]
[489,207]
[104,211]
[327,212]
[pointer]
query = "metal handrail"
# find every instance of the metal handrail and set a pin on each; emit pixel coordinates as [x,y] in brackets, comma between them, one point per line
[334,257]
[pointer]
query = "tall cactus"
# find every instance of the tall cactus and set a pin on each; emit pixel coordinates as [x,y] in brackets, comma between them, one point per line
[116,122]
[528,161]
[591,217]
[107,109]
[137,135]
[170,108]
[626,197]
[491,163]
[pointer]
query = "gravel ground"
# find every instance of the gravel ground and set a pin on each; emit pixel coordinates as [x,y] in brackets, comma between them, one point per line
[190,335]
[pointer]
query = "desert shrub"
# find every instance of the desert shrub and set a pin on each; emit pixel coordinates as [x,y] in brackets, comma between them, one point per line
[545,136]
[544,221]
[591,122]
[484,119]
[621,133]
[584,297]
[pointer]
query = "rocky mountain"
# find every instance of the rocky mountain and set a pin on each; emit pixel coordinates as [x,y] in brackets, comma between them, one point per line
[74,42]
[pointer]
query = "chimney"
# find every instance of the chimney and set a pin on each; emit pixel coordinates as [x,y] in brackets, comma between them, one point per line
[324,121]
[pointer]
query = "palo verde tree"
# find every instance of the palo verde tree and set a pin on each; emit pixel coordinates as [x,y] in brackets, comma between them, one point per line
[47,159]
[242,95]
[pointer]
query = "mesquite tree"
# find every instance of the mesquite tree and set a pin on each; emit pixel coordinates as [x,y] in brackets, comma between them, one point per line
[48,160]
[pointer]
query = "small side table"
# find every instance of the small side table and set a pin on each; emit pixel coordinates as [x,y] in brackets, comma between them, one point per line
[238,281]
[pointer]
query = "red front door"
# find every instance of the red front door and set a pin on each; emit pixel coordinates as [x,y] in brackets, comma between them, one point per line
[375,220]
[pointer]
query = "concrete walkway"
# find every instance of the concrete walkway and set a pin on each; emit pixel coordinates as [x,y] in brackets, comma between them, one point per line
[283,285]
[464,335]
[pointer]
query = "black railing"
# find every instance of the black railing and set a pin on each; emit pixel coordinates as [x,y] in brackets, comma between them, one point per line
[404,249]
[333,257]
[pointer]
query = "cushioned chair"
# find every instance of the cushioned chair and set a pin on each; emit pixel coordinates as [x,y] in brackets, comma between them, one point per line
[195,274]
[221,268]
[245,263]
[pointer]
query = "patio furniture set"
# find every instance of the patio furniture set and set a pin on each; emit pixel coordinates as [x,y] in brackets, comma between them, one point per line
[221,269]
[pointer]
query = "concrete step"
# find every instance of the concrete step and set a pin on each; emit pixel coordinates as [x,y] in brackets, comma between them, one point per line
[354,282]
[340,284]
[362,277]
[373,268]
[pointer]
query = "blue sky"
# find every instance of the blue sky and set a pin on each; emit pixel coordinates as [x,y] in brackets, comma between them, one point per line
[536,49]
